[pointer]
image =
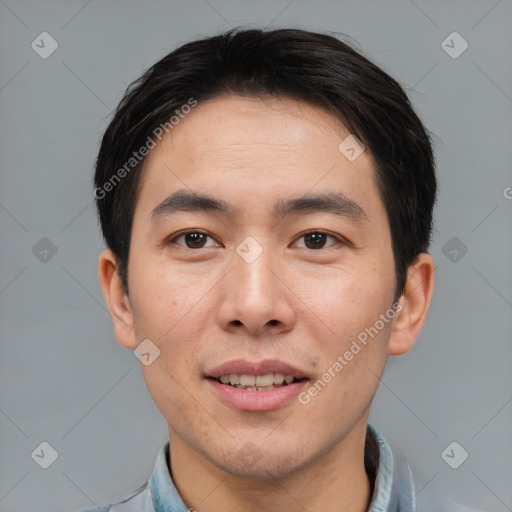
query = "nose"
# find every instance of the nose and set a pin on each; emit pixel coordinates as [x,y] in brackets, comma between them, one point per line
[256,299]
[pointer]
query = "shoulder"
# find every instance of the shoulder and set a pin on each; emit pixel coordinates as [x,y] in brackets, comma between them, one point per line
[138,501]
[97,508]
[418,498]
[399,487]
[434,502]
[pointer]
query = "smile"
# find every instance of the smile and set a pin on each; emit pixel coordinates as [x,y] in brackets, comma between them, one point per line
[256,386]
[257,382]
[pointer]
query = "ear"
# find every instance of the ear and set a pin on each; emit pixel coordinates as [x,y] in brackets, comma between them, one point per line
[117,300]
[414,302]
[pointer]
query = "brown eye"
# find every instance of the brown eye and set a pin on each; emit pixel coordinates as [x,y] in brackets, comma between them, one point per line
[192,239]
[317,239]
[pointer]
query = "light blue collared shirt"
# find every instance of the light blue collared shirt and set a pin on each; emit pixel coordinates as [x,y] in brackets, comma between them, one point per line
[394,486]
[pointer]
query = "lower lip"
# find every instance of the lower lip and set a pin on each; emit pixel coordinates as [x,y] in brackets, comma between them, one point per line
[267,400]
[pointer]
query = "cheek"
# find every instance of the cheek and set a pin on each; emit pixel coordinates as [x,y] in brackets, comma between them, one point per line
[354,348]
[178,403]
[170,321]
[349,304]
[348,378]
[166,300]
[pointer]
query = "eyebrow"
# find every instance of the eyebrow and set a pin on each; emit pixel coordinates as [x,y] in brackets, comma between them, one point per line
[334,202]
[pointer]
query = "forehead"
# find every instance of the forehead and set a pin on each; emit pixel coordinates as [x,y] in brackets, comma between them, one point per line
[239,124]
[250,152]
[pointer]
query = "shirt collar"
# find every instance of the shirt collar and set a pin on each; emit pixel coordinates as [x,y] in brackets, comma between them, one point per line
[378,463]
[378,459]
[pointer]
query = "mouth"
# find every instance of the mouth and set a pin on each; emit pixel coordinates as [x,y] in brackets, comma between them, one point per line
[256,386]
[265,382]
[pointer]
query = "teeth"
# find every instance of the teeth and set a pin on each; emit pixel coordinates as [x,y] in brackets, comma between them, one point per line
[265,380]
[260,381]
[247,380]
[278,378]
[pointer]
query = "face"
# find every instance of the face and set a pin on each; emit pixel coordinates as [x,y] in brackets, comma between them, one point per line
[254,286]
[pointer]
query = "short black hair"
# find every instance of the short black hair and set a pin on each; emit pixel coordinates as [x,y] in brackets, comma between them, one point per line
[317,68]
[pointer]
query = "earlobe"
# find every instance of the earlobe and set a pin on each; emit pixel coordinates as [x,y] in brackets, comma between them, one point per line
[414,303]
[117,301]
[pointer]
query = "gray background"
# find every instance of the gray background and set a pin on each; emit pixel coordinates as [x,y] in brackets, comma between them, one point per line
[63,377]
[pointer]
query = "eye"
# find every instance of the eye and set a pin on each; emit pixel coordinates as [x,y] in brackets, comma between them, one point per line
[193,239]
[197,240]
[317,239]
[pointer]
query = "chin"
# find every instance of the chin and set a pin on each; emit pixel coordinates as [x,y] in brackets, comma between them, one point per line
[260,464]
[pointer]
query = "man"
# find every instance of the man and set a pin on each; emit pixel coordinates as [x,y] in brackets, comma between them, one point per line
[266,199]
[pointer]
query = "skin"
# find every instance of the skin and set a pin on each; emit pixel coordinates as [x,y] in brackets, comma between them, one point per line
[298,303]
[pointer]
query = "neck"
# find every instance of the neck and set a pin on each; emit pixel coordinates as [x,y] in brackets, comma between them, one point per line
[333,481]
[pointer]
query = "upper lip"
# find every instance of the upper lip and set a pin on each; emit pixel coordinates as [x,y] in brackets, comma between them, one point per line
[244,367]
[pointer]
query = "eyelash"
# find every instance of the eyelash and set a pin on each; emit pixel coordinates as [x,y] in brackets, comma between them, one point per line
[175,237]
